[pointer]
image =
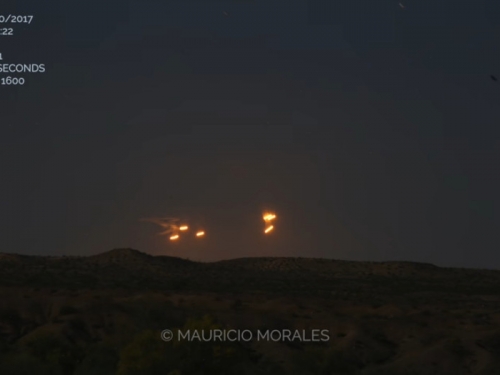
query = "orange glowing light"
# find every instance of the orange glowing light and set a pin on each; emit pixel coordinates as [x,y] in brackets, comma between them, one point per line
[183,227]
[174,237]
[268,229]
[200,233]
[268,216]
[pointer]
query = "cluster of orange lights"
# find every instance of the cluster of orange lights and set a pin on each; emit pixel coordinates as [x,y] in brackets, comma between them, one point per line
[268,217]
[184,228]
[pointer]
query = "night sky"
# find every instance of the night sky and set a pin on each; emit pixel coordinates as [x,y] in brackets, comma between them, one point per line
[370,127]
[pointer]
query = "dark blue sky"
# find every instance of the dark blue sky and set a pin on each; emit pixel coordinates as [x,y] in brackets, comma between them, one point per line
[371,129]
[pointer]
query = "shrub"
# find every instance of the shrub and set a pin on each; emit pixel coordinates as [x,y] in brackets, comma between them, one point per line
[21,363]
[54,352]
[148,354]
[100,359]
[321,361]
[67,310]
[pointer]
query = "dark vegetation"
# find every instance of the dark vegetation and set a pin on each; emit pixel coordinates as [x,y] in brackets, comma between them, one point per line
[103,315]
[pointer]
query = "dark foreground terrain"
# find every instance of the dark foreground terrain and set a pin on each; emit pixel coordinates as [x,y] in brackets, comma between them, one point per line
[103,314]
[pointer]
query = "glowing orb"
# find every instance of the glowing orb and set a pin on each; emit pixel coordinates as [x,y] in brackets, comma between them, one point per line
[200,233]
[183,227]
[268,216]
[174,237]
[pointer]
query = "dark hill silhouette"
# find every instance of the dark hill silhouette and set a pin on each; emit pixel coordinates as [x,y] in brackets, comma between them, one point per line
[121,254]
[134,259]
[131,268]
